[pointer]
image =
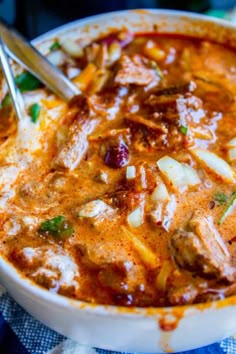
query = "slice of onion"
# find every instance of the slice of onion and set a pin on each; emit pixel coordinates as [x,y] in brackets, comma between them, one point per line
[215,164]
[191,175]
[57,57]
[72,72]
[180,175]
[173,171]
[135,218]
[160,193]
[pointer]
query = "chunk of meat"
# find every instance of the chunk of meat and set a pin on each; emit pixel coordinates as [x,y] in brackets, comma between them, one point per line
[95,209]
[122,277]
[115,272]
[76,145]
[49,267]
[136,70]
[134,119]
[126,200]
[182,295]
[162,214]
[212,86]
[202,250]
[177,89]
[168,114]
[107,104]
[97,213]
[175,107]
[214,294]
[74,148]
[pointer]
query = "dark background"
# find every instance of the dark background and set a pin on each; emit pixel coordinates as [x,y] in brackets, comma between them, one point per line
[33,17]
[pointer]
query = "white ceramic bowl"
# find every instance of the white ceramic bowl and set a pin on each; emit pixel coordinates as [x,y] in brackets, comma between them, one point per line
[119,328]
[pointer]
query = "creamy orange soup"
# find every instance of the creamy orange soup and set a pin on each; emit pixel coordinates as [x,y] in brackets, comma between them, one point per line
[127,195]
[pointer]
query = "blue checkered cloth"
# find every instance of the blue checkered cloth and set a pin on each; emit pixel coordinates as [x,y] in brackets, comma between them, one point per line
[18,335]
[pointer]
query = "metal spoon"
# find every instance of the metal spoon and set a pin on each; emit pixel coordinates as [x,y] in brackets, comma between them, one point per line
[25,54]
[13,90]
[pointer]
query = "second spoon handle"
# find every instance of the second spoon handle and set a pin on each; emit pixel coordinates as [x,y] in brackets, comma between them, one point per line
[25,54]
[13,90]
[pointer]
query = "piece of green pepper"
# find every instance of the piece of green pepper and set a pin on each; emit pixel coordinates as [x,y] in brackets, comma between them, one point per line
[27,82]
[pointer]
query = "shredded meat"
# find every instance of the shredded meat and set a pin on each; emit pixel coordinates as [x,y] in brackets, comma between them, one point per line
[74,148]
[202,250]
[136,70]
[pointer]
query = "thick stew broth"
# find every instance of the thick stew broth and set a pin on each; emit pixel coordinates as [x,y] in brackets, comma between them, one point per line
[129,197]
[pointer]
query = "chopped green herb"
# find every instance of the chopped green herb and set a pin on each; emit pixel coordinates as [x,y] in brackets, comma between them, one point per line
[34,112]
[57,227]
[6,101]
[183,130]
[55,45]
[27,82]
[156,68]
[220,198]
[228,210]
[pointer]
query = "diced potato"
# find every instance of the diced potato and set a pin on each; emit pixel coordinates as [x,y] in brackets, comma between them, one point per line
[130,172]
[215,164]
[135,218]
[153,52]
[71,47]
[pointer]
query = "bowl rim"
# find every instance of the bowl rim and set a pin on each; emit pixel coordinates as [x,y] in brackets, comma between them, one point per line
[149,11]
[59,300]
[101,309]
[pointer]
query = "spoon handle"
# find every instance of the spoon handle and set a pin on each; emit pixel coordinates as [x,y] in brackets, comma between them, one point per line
[25,54]
[14,92]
